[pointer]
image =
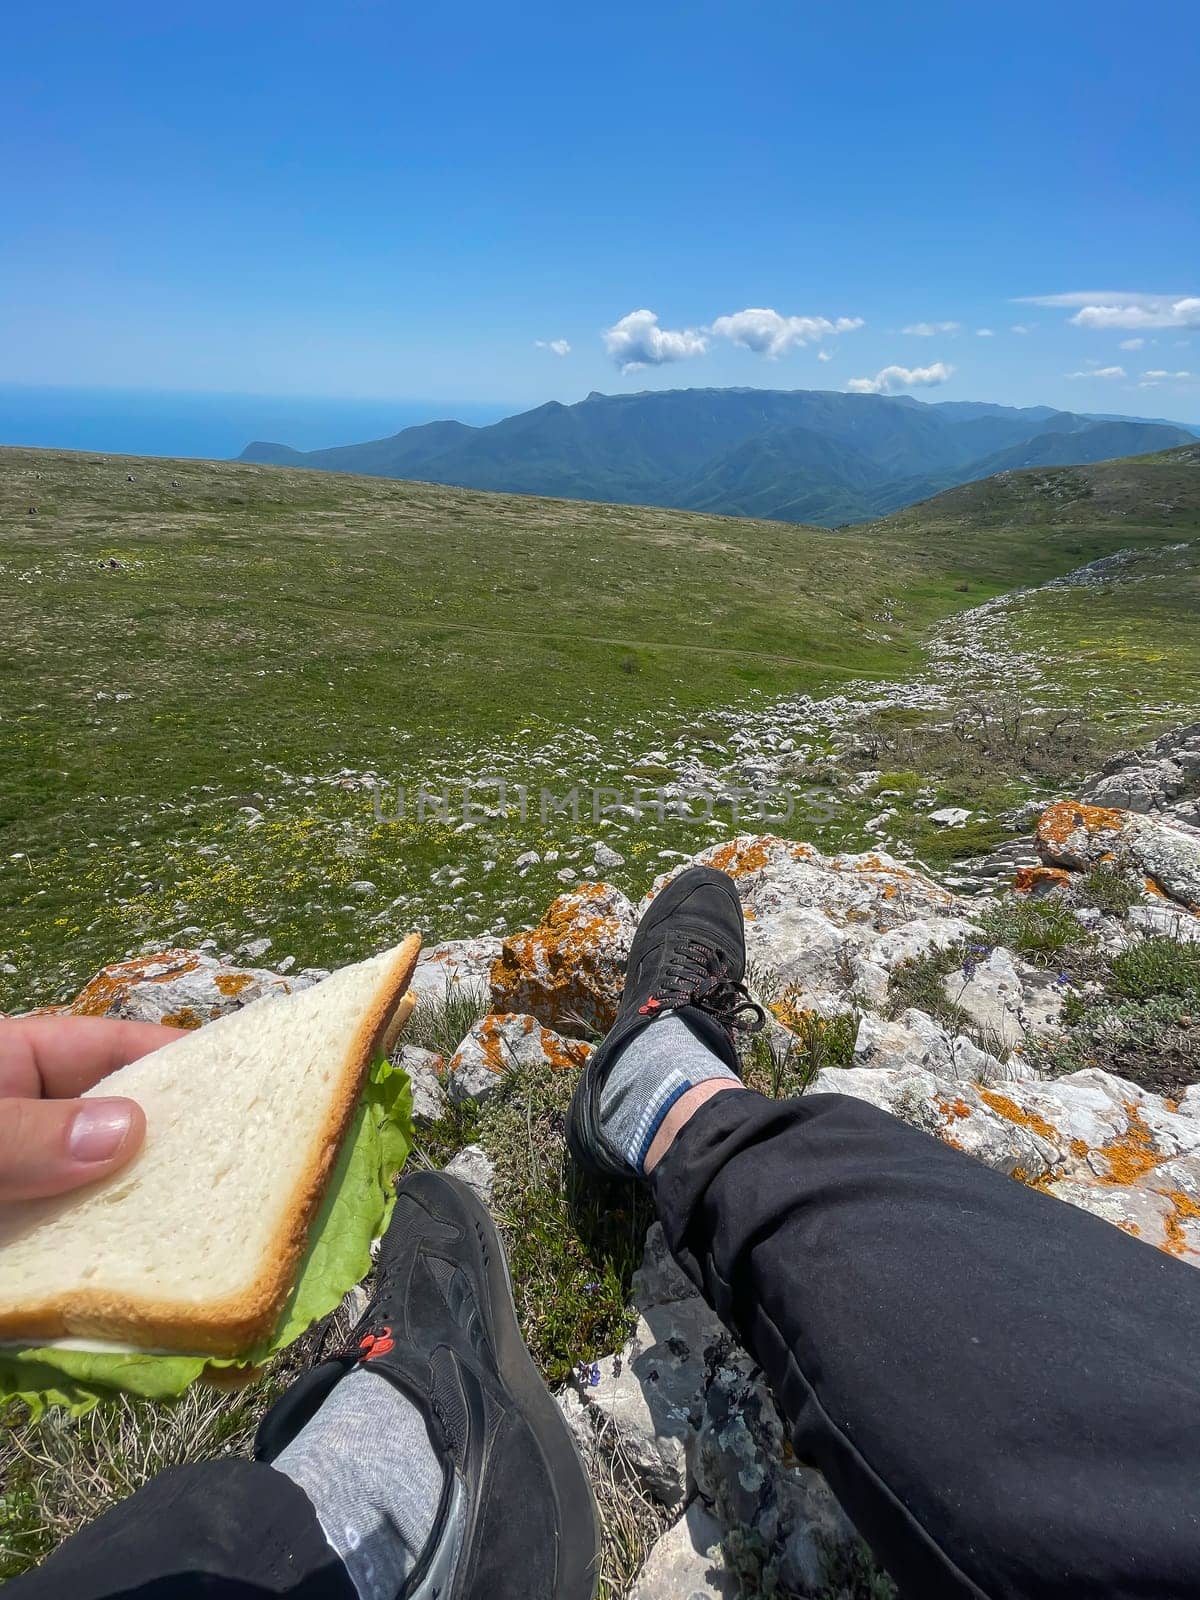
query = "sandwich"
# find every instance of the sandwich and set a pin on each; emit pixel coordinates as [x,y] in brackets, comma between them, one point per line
[196,1246]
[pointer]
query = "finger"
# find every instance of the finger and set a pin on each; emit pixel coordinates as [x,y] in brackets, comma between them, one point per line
[51,1146]
[59,1057]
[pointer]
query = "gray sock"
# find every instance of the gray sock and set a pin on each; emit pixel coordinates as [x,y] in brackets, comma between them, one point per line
[367,1464]
[654,1069]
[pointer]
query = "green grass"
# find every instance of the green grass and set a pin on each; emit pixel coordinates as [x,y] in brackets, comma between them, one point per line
[1158,966]
[816,1042]
[1109,890]
[266,629]
[573,1244]
[1038,930]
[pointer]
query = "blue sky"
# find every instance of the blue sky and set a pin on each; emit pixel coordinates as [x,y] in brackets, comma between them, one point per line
[382,201]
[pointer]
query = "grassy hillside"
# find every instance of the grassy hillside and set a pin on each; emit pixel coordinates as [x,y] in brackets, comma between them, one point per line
[199,665]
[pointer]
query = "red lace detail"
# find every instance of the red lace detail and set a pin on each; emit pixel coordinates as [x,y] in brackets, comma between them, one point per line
[376,1344]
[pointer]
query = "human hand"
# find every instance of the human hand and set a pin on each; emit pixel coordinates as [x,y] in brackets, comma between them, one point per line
[51,1142]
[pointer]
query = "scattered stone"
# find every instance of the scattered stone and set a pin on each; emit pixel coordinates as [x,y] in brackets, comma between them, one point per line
[473,1166]
[426,1071]
[361,886]
[950,817]
[501,1042]
[605,856]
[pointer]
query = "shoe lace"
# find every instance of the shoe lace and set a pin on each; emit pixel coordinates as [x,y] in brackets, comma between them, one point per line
[694,974]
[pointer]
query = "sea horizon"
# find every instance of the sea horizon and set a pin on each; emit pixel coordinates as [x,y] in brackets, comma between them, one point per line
[208,425]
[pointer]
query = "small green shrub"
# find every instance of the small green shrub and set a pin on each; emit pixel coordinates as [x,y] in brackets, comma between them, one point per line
[817,1042]
[1109,890]
[850,1572]
[919,982]
[1155,1043]
[1158,966]
[1036,929]
[441,1022]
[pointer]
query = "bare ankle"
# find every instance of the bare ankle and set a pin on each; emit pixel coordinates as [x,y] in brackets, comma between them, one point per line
[682,1113]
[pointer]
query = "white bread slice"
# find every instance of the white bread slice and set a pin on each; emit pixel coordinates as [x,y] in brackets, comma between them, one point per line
[194,1245]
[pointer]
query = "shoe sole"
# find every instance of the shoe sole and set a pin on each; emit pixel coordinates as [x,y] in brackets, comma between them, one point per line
[578,1568]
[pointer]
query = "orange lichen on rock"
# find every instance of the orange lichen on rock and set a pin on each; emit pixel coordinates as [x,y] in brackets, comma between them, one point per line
[231,984]
[1131,1227]
[185,1017]
[104,994]
[1131,1155]
[569,968]
[953,1108]
[738,860]
[1012,1112]
[1152,888]
[1183,1209]
[564,1055]
[1028,879]
[492,1045]
[1058,822]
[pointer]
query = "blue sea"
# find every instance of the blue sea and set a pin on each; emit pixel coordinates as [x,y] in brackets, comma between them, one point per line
[145,422]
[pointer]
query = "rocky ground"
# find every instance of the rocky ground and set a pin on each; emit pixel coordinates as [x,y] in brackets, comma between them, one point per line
[1050,1028]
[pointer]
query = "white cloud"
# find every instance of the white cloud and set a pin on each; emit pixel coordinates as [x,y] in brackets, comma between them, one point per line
[1109,309]
[891,379]
[930,330]
[824,355]
[772,335]
[1157,375]
[1099,372]
[559,347]
[1023,327]
[637,341]
[1132,344]
[985,333]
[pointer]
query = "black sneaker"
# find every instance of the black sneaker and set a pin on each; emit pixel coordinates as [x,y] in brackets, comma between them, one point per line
[517,1517]
[688,956]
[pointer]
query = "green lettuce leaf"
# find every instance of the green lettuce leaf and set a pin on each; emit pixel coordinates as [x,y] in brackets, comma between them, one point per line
[356,1209]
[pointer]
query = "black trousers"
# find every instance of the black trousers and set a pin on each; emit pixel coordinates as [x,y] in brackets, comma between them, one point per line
[1003,1391]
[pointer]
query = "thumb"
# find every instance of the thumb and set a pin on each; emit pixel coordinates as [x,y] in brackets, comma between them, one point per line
[50,1146]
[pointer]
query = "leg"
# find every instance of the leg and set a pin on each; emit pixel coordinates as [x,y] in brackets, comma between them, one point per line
[223,1528]
[1003,1391]
[426,1460]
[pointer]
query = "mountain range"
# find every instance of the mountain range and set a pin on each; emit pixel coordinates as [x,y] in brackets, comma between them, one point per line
[798,455]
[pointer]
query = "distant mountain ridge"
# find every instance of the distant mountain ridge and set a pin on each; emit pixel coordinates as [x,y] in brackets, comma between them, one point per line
[797,455]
